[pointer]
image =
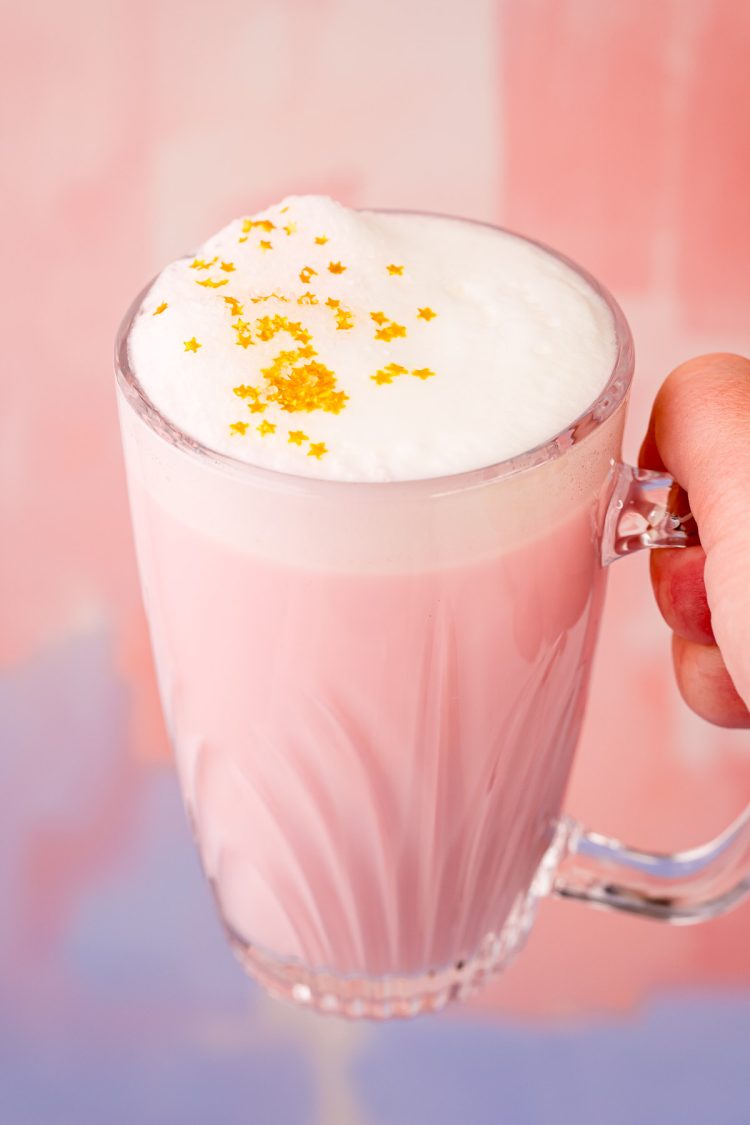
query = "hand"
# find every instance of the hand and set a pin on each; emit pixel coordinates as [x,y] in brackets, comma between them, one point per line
[700,433]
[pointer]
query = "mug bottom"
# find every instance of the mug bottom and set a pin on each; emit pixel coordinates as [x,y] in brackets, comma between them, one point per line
[394,996]
[386,997]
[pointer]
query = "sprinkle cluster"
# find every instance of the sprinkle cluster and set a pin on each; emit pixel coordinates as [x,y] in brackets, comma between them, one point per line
[295,381]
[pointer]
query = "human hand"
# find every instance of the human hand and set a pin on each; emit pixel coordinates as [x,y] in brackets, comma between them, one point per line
[699,432]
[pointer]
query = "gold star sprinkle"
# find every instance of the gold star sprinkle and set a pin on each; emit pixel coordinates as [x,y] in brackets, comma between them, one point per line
[192,345]
[395,270]
[307,352]
[336,267]
[209,284]
[244,336]
[239,427]
[199,264]
[246,392]
[333,303]
[307,299]
[266,428]
[378,317]
[344,320]
[317,449]
[263,224]
[257,407]
[269,297]
[306,273]
[388,373]
[228,267]
[234,305]
[160,308]
[243,238]
[321,240]
[296,437]
[426,314]
[291,228]
[283,210]
[423,372]
[390,332]
[265,244]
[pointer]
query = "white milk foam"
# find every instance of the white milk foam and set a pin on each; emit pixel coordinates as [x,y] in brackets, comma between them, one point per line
[473,347]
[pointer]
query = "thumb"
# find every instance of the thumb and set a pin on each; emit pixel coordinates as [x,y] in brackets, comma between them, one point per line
[700,432]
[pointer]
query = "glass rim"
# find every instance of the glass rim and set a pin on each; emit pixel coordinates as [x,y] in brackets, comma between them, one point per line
[573,433]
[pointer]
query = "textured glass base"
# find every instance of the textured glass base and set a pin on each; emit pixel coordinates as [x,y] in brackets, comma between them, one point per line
[389,996]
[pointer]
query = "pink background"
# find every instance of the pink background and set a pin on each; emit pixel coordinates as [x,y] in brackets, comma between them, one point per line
[617,132]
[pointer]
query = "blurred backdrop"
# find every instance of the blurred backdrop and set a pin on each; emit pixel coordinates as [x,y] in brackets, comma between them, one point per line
[617,132]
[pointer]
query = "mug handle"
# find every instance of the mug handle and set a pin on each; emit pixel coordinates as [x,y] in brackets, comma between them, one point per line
[649,509]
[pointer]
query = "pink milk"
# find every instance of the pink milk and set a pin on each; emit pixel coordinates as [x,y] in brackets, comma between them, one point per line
[374,691]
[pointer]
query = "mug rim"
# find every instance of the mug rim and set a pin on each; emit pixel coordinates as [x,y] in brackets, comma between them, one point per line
[572,434]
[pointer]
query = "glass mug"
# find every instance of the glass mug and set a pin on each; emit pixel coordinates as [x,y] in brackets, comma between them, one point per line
[374,693]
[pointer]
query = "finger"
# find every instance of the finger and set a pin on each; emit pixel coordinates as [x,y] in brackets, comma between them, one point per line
[700,430]
[677,579]
[705,684]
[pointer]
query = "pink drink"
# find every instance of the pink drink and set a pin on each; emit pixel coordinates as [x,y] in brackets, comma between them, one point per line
[374,713]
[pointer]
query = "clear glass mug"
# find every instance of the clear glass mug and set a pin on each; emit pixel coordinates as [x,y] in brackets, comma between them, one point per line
[374,693]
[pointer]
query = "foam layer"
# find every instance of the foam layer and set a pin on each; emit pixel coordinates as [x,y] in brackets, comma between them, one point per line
[364,346]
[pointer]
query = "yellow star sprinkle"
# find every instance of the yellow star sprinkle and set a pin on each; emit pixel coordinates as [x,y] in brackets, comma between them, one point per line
[423,372]
[296,437]
[307,352]
[390,332]
[378,317]
[396,369]
[395,270]
[321,240]
[317,449]
[333,303]
[291,228]
[228,267]
[160,308]
[306,273]
[239,427]
[257,407]
[265,244]
[269,297]
[246,392]
[344,320]
[336,267]
[192,345]
[283,210]
[266,428]
[300,334]
[307,299]
[243,238]
[381,377]
[426,314]
[235,306]
[209,284]
[199,264]
[264,224]
[244,336]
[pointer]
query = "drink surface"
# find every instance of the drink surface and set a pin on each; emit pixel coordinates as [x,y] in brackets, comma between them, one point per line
[370,346]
